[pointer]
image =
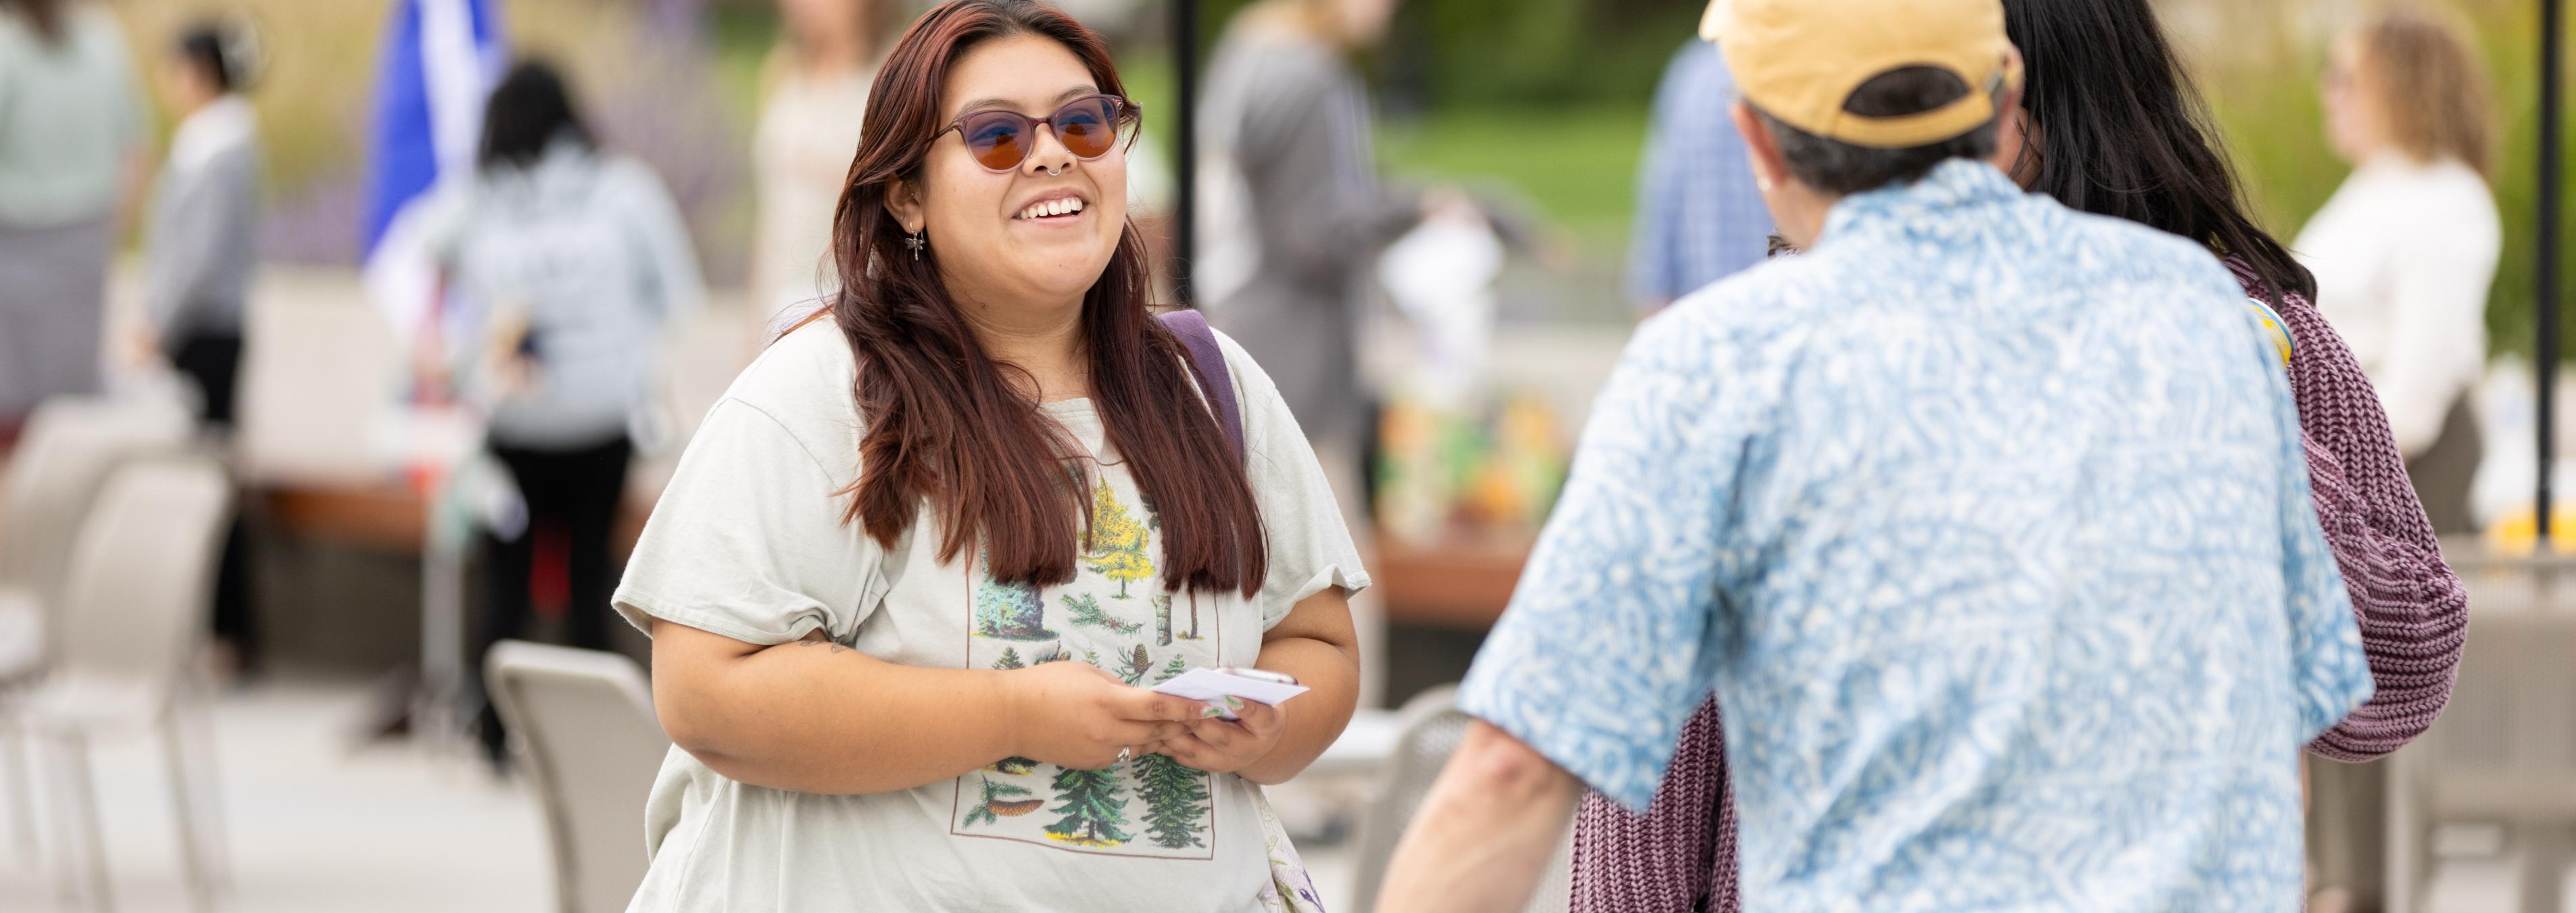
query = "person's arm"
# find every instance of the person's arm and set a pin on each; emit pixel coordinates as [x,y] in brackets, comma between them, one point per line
[2412,609]
[676,290]
[815,716]
[1482,837]
[1269,745]
[1606,650]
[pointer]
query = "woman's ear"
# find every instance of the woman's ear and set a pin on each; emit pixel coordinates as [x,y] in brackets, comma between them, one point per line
[903,199]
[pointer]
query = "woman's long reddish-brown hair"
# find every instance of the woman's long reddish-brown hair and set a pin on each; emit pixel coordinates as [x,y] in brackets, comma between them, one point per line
[944,423]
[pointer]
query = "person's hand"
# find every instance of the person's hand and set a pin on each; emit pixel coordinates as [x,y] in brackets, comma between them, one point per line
[1072,715]
[1224,747]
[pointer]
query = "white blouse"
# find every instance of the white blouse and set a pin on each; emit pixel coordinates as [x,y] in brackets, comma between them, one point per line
[2403,255]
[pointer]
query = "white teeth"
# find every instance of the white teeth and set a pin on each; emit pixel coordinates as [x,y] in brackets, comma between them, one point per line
[1052,208]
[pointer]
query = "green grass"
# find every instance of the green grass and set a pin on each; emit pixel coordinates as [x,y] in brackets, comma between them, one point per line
[1576,166]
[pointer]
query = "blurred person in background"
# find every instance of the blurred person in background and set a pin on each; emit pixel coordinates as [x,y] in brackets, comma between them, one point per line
[1293,217]
[2110,123]
[72,126]
[569,261]
[2406,248]
[1699,217]
[1874,602]
[200,244]
[200,252]
[914,575]
[814,88]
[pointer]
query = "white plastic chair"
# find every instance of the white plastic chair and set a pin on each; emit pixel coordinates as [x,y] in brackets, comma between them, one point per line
[135,604]
[70,446]
[1433,729]
[583,725]
[2504,752]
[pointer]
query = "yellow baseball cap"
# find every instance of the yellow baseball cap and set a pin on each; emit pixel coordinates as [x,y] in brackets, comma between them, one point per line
[1799,60]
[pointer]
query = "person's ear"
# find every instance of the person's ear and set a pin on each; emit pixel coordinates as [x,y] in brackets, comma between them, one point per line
[903,201]
[1770,168]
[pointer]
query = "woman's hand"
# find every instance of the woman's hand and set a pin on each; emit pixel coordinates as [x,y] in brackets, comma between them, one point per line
[1073,715]
[1221,746]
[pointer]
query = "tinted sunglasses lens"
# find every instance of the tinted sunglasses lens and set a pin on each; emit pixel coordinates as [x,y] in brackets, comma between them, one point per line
[1087,127]
[997,139]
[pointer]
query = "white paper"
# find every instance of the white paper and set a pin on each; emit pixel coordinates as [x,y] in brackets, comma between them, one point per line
[1211,685]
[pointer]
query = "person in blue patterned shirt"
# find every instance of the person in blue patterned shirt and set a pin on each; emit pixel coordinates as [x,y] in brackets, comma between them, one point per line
[1699,217]
[2014,597]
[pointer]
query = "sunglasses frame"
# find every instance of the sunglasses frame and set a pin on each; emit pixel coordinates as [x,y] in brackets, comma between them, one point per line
[1123,114]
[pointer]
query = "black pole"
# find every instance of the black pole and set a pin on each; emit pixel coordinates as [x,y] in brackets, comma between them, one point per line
[1185,147]
[2547,263]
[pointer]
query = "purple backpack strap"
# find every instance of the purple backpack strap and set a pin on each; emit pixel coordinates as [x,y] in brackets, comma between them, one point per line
[1209,361]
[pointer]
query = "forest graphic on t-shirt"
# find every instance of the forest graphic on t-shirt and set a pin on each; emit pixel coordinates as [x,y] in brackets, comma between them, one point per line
[1115,616]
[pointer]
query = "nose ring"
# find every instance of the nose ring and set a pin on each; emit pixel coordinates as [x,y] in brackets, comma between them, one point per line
[1055,172]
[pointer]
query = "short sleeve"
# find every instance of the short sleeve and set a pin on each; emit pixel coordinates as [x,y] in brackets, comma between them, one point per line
[1310,545]
[1604,652]
[2330,673]
[747,540]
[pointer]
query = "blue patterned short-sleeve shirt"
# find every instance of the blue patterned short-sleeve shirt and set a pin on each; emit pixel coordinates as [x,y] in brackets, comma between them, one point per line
[1988,524]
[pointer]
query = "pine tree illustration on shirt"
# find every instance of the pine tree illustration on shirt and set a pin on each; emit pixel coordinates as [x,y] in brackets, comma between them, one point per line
[1173,669]
[1094,808]
[1117,541]
[1175,801]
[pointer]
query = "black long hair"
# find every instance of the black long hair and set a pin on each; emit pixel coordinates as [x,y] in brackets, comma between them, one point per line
[2121,131]
[529,110]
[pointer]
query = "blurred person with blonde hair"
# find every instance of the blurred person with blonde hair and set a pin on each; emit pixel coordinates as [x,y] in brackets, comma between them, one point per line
[71,139]
[814,88]
[2404,251]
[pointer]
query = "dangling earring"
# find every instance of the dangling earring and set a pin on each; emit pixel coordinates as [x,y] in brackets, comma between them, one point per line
[914,240]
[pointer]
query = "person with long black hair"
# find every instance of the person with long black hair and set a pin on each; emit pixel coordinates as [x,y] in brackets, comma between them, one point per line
[2110,124]
[570,261]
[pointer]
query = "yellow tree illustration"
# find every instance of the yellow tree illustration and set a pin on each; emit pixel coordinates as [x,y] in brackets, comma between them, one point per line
[1117,540]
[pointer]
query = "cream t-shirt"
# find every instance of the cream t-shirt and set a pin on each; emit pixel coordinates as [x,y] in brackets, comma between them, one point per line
[748,542]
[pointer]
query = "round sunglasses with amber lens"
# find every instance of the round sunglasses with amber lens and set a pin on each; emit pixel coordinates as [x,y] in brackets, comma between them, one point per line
[1087,126]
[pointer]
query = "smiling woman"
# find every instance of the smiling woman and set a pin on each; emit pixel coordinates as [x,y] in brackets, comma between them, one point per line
[982,478]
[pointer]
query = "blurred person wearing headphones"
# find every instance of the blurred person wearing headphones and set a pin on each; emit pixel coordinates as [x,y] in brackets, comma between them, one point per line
[1954,512]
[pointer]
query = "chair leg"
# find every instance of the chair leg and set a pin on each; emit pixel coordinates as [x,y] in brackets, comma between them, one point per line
[83,800]
[22,794]
[191,839]
[210,789]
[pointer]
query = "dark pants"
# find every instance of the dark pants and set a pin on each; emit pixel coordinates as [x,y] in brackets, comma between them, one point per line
[2443,472]
[213,362]
[571,494]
